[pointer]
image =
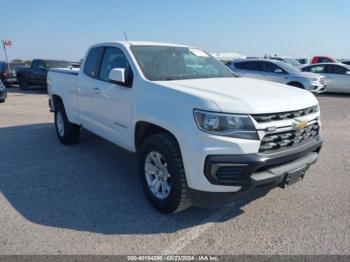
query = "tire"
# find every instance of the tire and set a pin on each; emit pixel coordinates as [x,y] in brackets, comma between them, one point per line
[2,100]
[176,198]
[67,132]
[23,85]
[296,84]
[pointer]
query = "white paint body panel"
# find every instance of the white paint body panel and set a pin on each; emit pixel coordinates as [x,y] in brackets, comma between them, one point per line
[112,111]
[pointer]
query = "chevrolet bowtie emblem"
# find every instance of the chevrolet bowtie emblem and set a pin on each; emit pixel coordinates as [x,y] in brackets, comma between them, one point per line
[300,124]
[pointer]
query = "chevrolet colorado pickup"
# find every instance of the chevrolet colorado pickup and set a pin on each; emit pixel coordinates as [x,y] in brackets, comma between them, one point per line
[203,135]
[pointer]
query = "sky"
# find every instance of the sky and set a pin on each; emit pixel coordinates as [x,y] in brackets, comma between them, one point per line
[64,29]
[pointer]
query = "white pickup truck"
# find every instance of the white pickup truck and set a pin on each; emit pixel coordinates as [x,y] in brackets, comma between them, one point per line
[203,135]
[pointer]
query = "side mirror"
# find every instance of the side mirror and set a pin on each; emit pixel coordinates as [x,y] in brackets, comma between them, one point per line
[278,71]
[118,76]
[41,67]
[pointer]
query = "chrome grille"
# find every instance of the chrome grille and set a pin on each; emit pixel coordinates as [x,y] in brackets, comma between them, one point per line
[261,118]
[286,139]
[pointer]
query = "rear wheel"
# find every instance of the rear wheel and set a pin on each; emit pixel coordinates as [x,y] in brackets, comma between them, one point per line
[162,173]
[67,132]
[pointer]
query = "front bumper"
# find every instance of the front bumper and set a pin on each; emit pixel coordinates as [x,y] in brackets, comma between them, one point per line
[317,88]
[252,171]
[10,81]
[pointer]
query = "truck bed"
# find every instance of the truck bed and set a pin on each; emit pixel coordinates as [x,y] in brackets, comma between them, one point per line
[63,82]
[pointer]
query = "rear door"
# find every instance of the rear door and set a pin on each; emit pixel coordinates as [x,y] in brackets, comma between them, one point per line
[87,86]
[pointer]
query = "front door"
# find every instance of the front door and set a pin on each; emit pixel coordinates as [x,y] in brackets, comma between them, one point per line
[338,79]
[112,103]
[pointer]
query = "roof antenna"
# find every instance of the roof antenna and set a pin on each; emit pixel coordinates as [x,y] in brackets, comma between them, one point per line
[126,38]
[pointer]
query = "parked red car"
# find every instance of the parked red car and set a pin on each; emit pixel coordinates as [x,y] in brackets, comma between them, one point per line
[323,59]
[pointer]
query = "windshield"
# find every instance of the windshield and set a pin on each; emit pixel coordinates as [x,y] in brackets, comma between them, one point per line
[159,63]
[292,62]
[57,64]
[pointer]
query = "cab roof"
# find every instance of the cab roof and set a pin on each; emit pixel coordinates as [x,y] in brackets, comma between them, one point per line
[142,43]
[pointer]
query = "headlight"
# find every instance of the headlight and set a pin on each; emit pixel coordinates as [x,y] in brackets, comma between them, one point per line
[239,126]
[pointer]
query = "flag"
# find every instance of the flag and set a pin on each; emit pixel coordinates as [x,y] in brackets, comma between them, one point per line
[7,42]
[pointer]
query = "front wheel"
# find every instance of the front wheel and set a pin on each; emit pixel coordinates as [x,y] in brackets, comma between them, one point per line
[162,173]
[67,132]
[23,85]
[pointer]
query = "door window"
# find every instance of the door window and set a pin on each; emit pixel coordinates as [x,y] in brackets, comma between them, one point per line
[251,65]
[34,64]
[40,64]
[335,69]
[317,69]
[113,58]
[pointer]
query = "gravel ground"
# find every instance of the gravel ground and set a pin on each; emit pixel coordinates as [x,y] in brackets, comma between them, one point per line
[87,199]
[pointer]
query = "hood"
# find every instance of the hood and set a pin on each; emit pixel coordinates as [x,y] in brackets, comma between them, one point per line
[308,75]
[244,95]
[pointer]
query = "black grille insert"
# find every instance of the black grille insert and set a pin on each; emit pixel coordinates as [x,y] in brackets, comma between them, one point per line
[277,141]
[232,174]
[262,118]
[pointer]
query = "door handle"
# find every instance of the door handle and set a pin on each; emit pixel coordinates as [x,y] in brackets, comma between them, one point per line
[96,90]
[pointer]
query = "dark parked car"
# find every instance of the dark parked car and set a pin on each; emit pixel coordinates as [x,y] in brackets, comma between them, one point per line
[36,74]
[3,92]
[8,72]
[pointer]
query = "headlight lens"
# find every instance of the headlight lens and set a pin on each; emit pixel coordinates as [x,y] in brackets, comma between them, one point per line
[239,126]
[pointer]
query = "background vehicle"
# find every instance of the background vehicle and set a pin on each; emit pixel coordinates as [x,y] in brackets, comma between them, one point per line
[337,75]
[280,72]
[203,136]
[3,92]
[74,65]
[323,59]
[288,60]
[36,74]
[347,62]
[227,58]
[9,77]
[303,61]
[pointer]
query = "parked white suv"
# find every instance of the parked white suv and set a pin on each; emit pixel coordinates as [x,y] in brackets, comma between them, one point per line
[280,72]
[203,136]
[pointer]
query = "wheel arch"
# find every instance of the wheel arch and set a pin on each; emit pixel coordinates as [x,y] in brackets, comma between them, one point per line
[296,84]
[56,100]
[144,129]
